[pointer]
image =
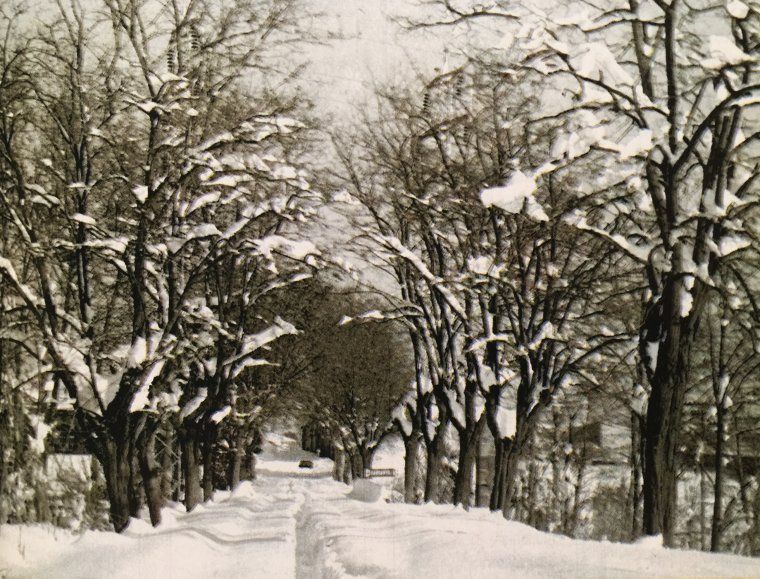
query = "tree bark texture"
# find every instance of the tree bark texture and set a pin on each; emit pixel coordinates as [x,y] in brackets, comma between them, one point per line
[411,460]
[191,471]
[151,473]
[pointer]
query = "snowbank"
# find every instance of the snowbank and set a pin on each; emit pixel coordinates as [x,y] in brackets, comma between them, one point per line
[21,544]
[247,533]
[367,491]
[352,539]
[286,524]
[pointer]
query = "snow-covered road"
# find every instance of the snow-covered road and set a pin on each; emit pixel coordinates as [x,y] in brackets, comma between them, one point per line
[295,523]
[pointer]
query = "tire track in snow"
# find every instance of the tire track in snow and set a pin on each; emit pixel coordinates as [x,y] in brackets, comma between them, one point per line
[304,547]
[315,558]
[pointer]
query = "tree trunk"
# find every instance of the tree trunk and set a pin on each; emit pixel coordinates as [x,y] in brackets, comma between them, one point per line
[178,489]
[663,425]
[236,460]
[637,446]
[338,465]
[435,448]
[43,512]
[501,452]
[167,465]
[755,526]
[209,448]
[117,472]
[463,475]
[368,458]
[251,465]
[578,495]
[433,470]
[716,532]
[236,463]
[151,473]
[534,516]
[750,500]
[469,440]
[135,486]
[479,501]
[357,465]
[558,493]
[6,448]
[6,429]
[674,335]
[190,470]
[347,472]
[411,459]
[509,482]
[702,508]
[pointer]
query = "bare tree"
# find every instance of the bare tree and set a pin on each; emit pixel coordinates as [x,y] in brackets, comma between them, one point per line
[131,187]
[685,154]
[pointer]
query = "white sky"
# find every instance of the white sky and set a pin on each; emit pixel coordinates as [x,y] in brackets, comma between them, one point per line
[374,50]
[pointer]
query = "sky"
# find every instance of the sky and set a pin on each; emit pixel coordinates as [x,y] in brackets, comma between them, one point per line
[370,48]
[373,49]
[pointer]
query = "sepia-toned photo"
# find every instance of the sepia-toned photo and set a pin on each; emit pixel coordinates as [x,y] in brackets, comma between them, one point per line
[379,289]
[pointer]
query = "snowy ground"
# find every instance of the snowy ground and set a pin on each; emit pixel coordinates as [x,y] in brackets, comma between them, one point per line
[296,523]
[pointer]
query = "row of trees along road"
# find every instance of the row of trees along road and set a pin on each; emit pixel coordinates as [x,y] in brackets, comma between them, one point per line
[352,376]
[148,177]
[584,198]
[564,224]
